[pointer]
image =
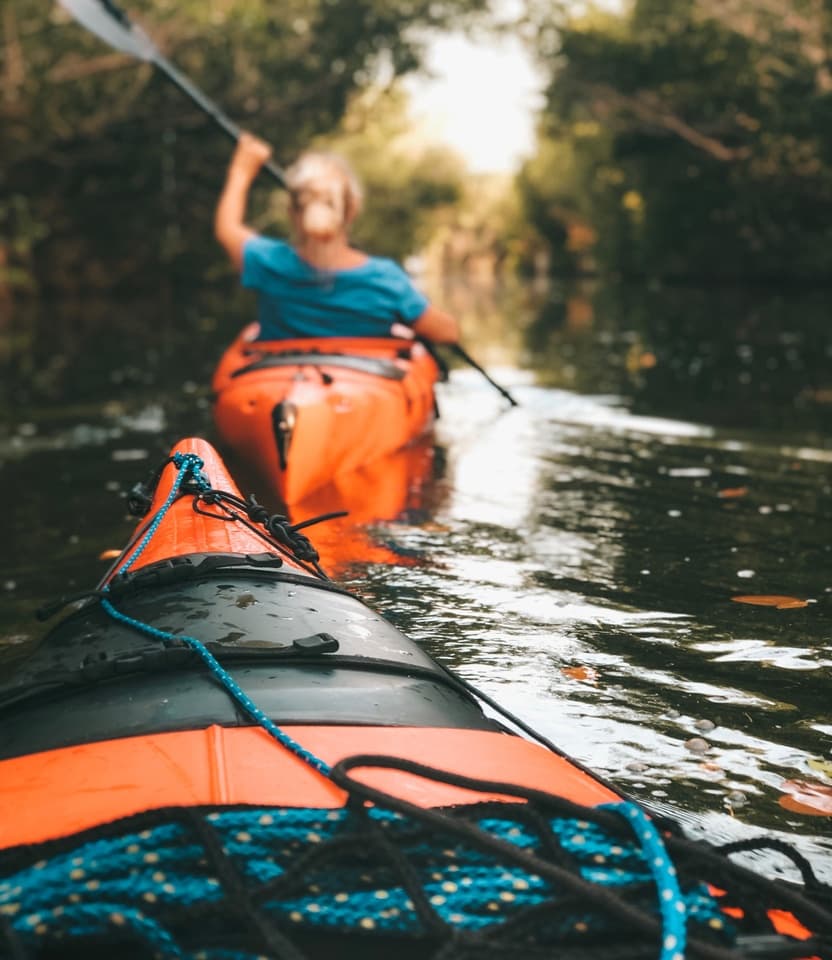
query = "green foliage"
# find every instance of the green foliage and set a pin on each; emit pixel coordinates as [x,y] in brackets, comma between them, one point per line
[121,172]
[692,137]
[408,180]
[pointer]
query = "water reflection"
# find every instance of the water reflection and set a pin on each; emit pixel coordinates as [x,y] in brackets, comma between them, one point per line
[576,556]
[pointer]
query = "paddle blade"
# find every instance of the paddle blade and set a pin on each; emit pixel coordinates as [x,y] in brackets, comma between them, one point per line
[106,21]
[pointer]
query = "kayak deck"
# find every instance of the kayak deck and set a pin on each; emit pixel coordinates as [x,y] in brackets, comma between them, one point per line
[303,781]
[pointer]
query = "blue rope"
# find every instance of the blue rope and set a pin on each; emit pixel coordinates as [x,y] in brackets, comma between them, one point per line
[136,880]
[671,901]
[189,466]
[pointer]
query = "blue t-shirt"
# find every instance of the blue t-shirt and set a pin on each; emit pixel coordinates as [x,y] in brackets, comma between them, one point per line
[297,300]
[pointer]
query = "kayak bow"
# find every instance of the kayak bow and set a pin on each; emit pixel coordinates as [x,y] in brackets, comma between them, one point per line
[221,753]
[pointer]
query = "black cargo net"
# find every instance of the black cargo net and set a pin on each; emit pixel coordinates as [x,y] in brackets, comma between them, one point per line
[538,877]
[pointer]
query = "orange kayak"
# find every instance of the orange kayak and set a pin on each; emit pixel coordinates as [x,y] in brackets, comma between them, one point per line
[218,752]
[306,411]
[353,685]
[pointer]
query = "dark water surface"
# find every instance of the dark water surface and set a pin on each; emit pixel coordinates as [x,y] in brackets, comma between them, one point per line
[576,557]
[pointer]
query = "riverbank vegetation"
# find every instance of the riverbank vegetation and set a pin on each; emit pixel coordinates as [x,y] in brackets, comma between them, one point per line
[686,139]
[108,175]
[678,139]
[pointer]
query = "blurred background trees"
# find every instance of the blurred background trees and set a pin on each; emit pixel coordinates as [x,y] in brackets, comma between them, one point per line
[107,173]
[686,138]
[677,139]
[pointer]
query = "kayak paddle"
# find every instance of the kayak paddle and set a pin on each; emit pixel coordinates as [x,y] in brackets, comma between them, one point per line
[464,355]
[113,26]
[433,349]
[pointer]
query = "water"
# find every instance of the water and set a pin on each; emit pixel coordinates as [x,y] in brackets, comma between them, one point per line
[575,557]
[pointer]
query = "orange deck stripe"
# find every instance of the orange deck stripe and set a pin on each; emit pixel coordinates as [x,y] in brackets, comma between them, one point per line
[59,792]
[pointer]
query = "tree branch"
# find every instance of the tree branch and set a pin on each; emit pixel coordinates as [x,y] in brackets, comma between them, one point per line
[649,109]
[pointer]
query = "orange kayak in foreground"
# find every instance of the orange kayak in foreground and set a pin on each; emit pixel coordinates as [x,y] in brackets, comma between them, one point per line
[218,752]
[305,411]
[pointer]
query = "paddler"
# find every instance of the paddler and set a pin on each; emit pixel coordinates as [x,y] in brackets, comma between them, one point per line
[319,285]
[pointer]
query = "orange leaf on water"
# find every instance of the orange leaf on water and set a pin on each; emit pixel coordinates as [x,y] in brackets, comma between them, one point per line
[731,493]
[807,796]
[773,600]
[647,360]
[109,554]
[586,674]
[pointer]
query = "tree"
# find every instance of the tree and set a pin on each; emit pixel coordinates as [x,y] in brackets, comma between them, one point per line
[694,137]
[408,179]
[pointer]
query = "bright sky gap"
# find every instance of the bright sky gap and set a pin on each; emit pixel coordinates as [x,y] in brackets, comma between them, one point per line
[480,99]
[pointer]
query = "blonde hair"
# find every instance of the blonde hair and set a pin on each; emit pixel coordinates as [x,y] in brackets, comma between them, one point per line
[330,173]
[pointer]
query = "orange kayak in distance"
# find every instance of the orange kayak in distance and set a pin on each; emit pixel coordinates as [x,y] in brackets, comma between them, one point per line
[305,411]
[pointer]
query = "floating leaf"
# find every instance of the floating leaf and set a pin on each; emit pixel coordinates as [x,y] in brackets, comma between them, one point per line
[732,493]
[431,526]
[771,600]
[822,766]
[109,554]
[807,796]
[647,360]
[587,674]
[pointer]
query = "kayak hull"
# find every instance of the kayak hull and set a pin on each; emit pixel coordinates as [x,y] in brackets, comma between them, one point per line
[144,725]
[64,791]
[225,752]
[306,411]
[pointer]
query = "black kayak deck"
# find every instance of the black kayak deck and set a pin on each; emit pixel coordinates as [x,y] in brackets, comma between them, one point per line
[373,366]
[306,652]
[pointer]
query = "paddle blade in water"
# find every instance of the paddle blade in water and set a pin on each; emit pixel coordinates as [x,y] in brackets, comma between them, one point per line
[106,21]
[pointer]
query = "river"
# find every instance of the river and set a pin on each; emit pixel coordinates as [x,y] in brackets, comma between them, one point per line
[579,557]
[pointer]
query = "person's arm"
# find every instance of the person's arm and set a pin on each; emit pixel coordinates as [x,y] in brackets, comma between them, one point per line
[229,219]
[436,325]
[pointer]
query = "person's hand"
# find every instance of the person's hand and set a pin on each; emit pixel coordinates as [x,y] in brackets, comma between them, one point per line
[250,155]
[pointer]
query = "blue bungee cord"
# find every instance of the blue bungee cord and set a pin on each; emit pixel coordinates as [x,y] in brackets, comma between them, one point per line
[189,465]
[672,903]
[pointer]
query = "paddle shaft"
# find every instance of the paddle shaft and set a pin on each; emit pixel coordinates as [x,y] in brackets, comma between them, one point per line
[111,24]
[214,112]
[464,355]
